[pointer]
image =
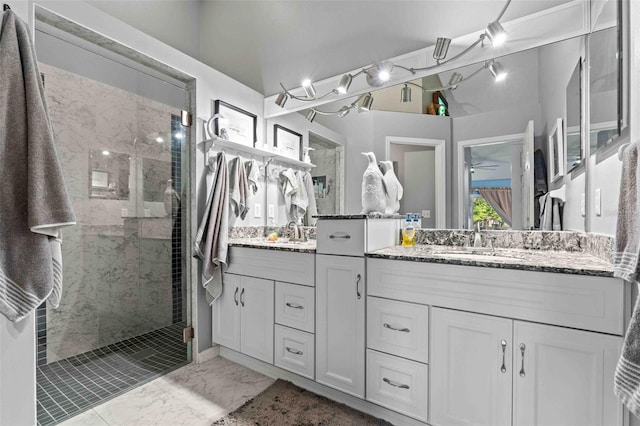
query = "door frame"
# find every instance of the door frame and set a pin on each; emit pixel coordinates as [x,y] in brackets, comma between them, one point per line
[440,170]
[461,145]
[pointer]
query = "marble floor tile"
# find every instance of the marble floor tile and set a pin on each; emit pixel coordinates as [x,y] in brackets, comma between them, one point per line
[197,394]
[88,418]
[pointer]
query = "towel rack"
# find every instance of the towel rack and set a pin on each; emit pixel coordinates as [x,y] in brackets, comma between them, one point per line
[560,193]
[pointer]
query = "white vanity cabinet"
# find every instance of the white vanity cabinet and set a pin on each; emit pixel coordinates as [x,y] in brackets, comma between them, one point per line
[243,316]
[510,347]
[340,323]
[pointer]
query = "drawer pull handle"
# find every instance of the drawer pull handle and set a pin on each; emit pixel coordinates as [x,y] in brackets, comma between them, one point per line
[397,385]
[503,343]
[242,297]
[346,236]
[522,349]
[235,296]
[293,351]
[358,278]
[403,330]
[294,305]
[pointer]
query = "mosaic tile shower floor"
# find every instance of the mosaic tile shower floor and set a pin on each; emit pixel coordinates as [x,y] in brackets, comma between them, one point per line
[70,386]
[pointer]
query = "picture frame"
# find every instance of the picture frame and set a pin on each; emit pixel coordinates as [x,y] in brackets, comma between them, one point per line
[556,151]
[288,142]
[235,124]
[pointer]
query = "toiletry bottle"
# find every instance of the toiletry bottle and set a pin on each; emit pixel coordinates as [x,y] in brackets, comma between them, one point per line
[417,221]
[409,232]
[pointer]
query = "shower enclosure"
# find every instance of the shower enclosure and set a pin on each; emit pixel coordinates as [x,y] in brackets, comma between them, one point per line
[124,154]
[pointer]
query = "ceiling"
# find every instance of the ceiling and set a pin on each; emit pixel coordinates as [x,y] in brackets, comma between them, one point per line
[262,43]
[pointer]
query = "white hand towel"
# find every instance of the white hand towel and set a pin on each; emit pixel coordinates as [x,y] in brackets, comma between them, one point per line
[238,188]
[253,172]
[312,210]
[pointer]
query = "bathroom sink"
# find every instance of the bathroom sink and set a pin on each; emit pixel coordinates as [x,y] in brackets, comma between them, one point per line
[477,253]
[478,256]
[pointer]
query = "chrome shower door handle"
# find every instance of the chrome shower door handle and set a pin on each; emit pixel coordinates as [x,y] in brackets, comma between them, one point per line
[242,297]
[235,296]
[522,349]
[358,278]
[503,343]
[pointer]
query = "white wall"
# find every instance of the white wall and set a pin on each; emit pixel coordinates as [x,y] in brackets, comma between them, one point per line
[418,185]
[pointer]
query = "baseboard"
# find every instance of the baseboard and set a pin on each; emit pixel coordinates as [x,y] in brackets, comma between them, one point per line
[207,354]
[319,389]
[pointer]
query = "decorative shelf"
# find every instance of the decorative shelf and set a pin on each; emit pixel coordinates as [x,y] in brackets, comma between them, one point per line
[249,150]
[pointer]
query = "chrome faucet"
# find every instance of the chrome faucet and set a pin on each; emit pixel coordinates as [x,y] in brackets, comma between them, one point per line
[295,233]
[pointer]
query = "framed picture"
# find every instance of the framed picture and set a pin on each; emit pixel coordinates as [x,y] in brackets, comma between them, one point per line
[235,124]
[556,151]
[288,141]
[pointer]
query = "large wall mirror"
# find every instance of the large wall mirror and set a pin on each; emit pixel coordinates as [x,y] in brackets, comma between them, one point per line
[496,134]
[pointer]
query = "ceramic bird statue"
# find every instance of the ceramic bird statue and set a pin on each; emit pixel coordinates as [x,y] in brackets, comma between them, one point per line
[373,195]
[392,187]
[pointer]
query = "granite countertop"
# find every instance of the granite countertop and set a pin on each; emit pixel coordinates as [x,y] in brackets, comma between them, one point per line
[282,244]
[566,262]
[360,216]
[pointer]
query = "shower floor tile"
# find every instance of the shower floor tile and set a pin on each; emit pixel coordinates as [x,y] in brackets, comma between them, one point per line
[73,385]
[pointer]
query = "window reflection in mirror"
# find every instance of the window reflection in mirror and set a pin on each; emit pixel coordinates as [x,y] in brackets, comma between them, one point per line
[108,175]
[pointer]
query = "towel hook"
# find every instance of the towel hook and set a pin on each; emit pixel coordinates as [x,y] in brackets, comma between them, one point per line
[5,7]
[622,149]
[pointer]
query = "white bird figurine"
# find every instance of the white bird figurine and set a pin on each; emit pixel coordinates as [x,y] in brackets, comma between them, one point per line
[373,195]
[392,187]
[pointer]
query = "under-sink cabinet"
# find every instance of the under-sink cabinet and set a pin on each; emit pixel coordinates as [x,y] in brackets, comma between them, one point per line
[497,347]
[243,316]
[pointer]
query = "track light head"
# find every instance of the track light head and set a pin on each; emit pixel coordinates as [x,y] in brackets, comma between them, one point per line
[405,94]
[344,111]
[455,79]
[441,49]
[309,90]
[311,115]
[367,102]
[496,33]
[282,99]
[379,73]
[497,71]
[345,82]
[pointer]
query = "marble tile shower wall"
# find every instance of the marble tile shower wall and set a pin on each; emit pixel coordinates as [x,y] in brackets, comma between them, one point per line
[326,165]
[117,275]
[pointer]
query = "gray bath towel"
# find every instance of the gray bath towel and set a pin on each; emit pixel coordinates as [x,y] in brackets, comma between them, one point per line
[253,174]
[34,202]
[212,238]
[625,263]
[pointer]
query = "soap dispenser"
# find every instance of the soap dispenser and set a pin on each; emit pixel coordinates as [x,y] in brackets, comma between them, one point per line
[409,232]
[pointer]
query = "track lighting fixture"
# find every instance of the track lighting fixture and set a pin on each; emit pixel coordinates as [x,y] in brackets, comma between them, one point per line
[380,73]
[282,99]
[441,49]
[497,71]
[405,94]
[497,35]
[344,111]
[367,102]
[311,115]
[345,82]
[309,90]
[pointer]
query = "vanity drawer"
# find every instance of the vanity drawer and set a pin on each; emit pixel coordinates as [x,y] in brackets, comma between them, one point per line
[398,328]
[274,265]
[295,306]
[295,351]
[341,237]
[398,384]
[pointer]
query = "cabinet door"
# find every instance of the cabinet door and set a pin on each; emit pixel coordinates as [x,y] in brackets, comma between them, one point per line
[564,376]
[256,304]
[468,384]
[226,313]
[340,323]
